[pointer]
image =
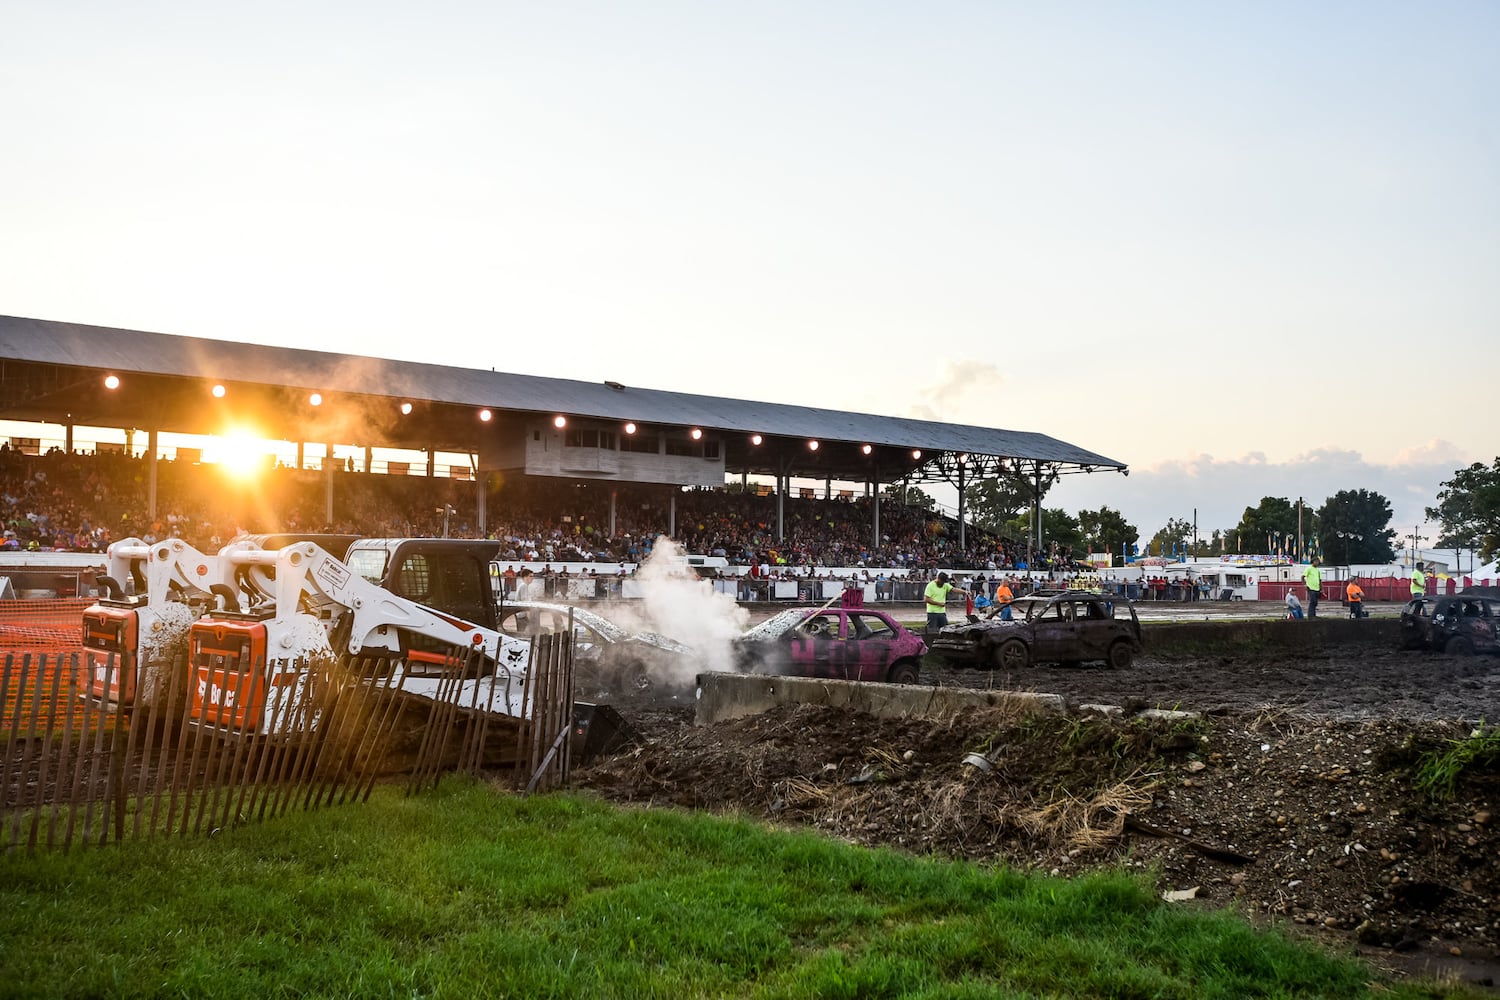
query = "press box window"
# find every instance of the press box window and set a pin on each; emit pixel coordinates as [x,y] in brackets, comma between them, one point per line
[645,444]
[585,437]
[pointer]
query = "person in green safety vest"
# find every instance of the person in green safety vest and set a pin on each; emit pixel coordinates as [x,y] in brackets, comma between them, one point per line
[1313,577]
[936,597]
[1418,581]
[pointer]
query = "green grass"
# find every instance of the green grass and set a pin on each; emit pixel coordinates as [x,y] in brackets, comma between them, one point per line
[471,893]
[1439,771]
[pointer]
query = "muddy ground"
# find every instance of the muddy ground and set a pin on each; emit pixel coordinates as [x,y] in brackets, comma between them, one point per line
[1292,795]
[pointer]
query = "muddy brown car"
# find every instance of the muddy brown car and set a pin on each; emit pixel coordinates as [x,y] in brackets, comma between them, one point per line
[1070,626]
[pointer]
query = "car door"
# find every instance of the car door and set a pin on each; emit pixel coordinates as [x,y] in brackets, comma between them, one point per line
[1048,631]
[812,645]
[1482,624]
[1094,631]
[868,646]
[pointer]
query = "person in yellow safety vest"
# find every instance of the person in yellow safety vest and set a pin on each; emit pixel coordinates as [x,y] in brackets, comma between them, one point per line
[1313,577]
[1003,597]
[1354,594]
[1418,581]
[936,596]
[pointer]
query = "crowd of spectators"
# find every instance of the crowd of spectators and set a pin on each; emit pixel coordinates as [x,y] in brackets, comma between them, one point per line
[83,502]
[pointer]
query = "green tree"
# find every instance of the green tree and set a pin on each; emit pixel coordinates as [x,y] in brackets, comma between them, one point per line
[1469,507]
[1210,547]
[1271,526]
[991,502]
[1106,530]
[1354,527]
[1058,527]
[1173,538]
[908,496]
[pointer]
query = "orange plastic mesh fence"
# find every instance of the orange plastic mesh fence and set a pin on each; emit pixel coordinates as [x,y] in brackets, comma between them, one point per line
[51,625]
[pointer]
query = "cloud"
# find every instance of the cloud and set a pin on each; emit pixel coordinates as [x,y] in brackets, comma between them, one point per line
[963,390]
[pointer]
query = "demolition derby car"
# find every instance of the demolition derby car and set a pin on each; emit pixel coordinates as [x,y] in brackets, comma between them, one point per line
[854,644]
[1067,626]
[1460,624]
[605,654]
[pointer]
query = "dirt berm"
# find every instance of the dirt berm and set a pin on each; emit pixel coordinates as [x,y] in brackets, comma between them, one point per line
[1298,789]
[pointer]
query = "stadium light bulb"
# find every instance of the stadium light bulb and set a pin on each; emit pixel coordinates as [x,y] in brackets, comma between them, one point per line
[485,415]
[405,409]
[559,421]
[219,390]
[111,381]
[916,453]
[866,449]
[756,439]
[695,433]
[630,427]
[316,399]
[812,446]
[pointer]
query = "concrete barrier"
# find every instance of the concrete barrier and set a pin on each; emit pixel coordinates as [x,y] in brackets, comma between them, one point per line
[729,696]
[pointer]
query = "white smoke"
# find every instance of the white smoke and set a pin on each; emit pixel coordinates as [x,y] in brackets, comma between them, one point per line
[678,603]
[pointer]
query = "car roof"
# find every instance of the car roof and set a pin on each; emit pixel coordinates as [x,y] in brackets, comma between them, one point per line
[582,615]
[1048,595]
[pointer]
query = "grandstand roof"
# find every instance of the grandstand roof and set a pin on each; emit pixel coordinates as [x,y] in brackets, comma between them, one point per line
[52,371]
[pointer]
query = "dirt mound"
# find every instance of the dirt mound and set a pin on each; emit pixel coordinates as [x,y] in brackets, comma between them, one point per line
[1293,796]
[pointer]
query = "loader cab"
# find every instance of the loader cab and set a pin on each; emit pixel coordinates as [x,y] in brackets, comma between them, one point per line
[451,575]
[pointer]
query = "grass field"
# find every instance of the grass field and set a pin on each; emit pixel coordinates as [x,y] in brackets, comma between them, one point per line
[467,892]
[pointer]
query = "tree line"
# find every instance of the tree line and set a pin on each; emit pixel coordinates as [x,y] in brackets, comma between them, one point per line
[1351,526]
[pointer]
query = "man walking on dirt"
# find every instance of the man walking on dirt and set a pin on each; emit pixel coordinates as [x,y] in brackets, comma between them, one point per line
[1313,577]
[936,596]
[1418,581]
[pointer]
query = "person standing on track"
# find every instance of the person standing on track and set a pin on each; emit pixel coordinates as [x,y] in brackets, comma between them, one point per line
[1418,581]
[1313,577]
[1354,594]
[936,596]
[1003,597]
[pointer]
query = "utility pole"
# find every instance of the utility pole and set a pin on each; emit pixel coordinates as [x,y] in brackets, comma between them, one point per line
[1299,527]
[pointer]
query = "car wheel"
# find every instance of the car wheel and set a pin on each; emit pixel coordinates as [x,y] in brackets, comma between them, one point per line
[1459,646]
[903,672]
[1012,655]
[634,679]
[1121,655]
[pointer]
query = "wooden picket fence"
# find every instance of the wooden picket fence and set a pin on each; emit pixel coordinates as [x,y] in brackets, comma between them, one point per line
[80,771]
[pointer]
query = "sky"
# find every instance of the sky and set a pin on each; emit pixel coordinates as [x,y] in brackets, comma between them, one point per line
[1247,249]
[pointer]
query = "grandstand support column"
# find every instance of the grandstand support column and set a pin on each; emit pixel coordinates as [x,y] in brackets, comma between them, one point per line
[613,495]
[783,483]
[370,459]
[328,465]
[301,455]
[875,512]
[828,488]
[672,514]
[481,506]
[68,438]
[961,467]
[151,441]
[431,461]
[1036,511]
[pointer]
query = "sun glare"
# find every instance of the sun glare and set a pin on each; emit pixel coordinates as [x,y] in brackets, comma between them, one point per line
[240,454]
